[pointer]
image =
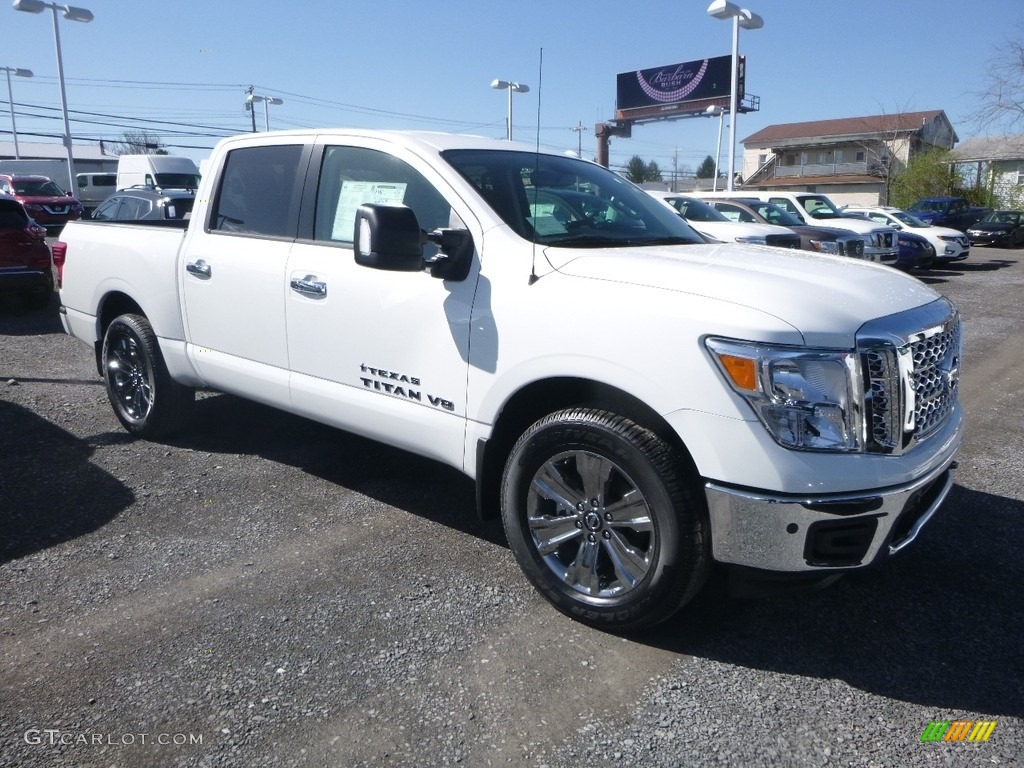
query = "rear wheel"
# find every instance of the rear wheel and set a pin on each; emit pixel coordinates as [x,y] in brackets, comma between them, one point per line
[146,400]
[602,517]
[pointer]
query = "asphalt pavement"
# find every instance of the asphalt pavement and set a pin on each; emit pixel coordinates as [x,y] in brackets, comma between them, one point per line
[265,591]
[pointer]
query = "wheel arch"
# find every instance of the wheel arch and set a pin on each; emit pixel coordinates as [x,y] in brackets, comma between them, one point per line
[112,305]
[539,398]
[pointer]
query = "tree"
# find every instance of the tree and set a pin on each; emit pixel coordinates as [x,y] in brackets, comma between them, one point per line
[137,142]
[927,175]
[637,171]
[706,170]
[1001,100]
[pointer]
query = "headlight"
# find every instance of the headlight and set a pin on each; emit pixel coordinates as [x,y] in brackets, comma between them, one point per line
[806,399]
[752,240]
[948,238]
[825,246]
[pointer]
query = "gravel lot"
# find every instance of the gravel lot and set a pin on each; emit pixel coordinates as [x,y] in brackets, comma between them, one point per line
[264,591]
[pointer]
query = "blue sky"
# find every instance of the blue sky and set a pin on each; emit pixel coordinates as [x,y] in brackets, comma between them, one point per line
[428,65]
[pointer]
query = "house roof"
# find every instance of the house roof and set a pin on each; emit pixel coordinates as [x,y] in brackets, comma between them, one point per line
[984,148]
[901,122]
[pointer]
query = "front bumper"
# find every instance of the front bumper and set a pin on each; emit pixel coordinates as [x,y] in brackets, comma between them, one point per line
[793,534]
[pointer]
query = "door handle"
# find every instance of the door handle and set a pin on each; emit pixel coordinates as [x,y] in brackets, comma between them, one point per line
[309,286]
[199,268]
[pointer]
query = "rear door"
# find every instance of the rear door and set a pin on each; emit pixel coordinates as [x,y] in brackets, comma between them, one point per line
[233,271]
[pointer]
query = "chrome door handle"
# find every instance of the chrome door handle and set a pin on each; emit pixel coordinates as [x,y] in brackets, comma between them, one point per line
[199,268]
[309,286]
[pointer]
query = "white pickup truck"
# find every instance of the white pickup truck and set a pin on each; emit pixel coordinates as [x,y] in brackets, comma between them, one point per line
[636,404]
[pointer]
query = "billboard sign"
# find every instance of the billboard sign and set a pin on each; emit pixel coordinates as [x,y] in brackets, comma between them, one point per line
[669,89]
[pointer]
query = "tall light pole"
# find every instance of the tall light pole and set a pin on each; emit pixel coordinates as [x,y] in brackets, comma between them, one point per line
[71,13]
[252,98]
[741,17]
[718,112]
[10,100]
[518,88]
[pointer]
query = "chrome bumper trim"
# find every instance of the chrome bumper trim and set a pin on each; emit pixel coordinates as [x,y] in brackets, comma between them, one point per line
[771,531]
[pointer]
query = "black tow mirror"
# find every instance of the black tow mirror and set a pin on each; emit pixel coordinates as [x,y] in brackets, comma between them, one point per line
[388,237]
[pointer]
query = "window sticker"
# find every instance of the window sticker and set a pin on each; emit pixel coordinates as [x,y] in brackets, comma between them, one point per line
[355,193]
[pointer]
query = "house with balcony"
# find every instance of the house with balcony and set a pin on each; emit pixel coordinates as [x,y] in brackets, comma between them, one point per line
[850,159]
[995,163]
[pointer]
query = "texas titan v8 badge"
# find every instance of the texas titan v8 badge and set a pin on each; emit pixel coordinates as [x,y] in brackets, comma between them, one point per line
[400,385]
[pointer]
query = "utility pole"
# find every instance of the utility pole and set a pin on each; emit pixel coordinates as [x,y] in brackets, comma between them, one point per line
[579,129]
[249,106]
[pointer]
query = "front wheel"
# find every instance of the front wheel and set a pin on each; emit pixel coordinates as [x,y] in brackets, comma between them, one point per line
[146,400]
[602,517]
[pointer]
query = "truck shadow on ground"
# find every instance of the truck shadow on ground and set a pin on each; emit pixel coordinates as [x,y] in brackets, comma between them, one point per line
[390,475]
[939,625]
[40,508]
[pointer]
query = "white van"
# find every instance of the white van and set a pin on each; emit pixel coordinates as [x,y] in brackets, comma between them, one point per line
[159,171]
[94,188]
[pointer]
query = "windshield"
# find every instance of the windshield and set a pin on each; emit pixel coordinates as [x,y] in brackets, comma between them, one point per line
[820,207]
[44,188]
[775,215]
[910,221]
[929,205]
[177,180]
[564,201]
[695,210]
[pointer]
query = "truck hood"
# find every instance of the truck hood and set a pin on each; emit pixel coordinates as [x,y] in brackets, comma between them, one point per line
[827,299]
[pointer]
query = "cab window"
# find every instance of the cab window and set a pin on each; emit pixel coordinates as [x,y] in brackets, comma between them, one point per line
[352,176]
[257,191]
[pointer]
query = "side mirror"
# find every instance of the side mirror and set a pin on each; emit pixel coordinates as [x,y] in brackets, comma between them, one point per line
[388,237]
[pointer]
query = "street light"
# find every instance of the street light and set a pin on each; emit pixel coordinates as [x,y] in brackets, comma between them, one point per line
[267,101]
[741,17]
[71,13]
[715,111]
[518,88]
[10,100]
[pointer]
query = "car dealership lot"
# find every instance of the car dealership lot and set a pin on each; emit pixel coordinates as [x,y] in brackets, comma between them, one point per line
[266,591]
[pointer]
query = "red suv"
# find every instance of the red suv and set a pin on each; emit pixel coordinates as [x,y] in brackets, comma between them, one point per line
[44,201]
[25,262]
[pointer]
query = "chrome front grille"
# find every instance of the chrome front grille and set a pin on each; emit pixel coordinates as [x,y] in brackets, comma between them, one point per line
[783,241]
[854,247]
[911,377]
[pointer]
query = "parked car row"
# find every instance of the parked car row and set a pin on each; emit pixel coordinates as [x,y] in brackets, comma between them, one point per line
[812,222]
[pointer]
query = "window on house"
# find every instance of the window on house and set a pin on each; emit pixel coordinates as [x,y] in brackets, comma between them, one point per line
[860,157]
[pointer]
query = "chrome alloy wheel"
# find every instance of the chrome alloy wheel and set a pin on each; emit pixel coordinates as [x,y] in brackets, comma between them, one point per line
[130,377]
[590,523]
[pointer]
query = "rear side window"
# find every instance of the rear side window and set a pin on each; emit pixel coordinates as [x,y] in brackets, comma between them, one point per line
[257,191]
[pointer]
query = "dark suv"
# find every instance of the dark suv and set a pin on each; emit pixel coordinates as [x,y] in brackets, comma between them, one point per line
[44,201]
[146,203]
[25,262]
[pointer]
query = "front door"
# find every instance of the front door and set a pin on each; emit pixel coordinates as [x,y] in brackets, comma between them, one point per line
[384,354]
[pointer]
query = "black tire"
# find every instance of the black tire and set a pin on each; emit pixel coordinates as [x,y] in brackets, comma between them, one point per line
[36,300]
[564,505]
[145,399]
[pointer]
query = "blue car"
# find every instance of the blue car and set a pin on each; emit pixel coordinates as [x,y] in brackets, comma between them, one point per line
[915,252]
